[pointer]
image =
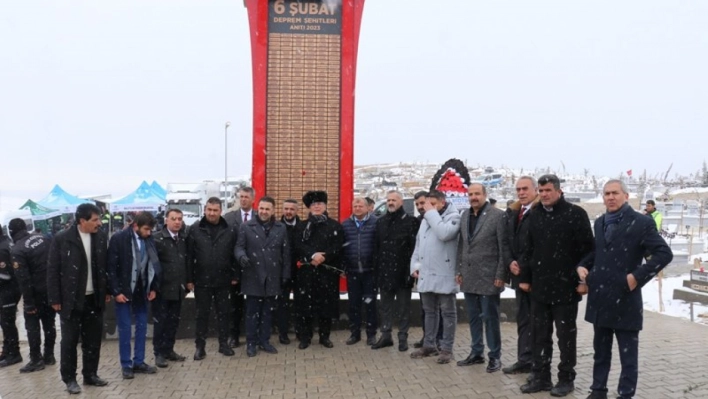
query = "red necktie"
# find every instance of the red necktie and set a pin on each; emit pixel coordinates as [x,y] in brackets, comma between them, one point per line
[521,213]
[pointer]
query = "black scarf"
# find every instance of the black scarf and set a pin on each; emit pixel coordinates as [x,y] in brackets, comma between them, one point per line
[612,219]
[311,221]
[267,224]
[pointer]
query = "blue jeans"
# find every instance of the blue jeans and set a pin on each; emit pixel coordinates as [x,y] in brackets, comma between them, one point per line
[123,319]
[436,305]
[259,319]
[362,290]
[484,309]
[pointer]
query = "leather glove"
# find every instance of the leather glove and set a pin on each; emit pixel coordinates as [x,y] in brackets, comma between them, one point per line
[245,262]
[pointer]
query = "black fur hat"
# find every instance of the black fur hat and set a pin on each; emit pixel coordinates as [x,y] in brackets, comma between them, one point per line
[314,196]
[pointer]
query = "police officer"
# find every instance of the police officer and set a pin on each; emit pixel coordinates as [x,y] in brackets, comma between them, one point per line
[9,296]
[30,255]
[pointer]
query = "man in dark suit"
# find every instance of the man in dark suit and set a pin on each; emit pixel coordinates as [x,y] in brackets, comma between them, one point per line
[285,306]
[482,256]
[76,287]
[211,273]
[235,218]
[559,238]
[517,229]
[615,275]
[172,252]
[263,252]
[133,271]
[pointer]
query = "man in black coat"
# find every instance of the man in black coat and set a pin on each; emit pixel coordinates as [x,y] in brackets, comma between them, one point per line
[517,230]
[9,297]
[30,255]
[211,271]
[615,275]
[559,238]
[263,253]
[76,286]
[172,252]
[285,306]
[235,218]
[133,270]
[318,242]
[393,247]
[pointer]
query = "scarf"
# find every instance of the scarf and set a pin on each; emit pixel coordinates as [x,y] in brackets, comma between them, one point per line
[612,219]
[312,220]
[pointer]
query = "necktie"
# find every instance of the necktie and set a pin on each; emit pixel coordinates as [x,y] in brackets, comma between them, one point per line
[142,249]
[245,216]
[521,213]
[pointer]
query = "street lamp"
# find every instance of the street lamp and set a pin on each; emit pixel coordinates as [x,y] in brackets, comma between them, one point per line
[226,174]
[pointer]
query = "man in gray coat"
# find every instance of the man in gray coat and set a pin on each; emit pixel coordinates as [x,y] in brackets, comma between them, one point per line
[263,251]
[433,264]
[482,251]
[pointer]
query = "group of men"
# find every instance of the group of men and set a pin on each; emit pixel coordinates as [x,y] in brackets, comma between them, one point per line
[542,245]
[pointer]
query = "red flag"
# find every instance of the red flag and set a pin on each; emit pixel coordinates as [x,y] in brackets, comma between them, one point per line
[629,173]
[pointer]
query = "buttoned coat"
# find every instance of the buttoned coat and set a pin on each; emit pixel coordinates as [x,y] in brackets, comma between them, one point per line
[610,302]
[269,258]
[435,254]
[482,257]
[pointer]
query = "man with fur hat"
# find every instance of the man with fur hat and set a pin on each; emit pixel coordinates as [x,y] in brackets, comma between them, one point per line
[318,244]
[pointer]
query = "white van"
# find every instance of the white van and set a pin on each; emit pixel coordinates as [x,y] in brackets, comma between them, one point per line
[25,215]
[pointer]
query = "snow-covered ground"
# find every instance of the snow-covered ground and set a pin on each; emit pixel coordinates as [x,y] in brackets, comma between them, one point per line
[675,308]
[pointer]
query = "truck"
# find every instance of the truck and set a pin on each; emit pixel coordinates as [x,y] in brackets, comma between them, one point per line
[191,198]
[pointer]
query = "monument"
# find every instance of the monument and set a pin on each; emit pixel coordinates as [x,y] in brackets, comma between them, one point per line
[304,55]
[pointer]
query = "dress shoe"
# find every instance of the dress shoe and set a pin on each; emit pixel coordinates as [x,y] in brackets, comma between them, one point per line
[200,353]
[402,345]
[175,357]
[517,368]
[471,359]
[371,340]
[234,342]
[127,373]
[598,395]
[144,368]
[445,357]
[10,360]
[49,359]
[494,365]
[160,361]
[424,352]
[73,387]
[251,350]
[418,344]
[536,385]
[283,338]
[324,341]
[563,388]
[382,343]
[304,344]
[33,365]
[226,350]
[353,339]
[268,348]
[95,380]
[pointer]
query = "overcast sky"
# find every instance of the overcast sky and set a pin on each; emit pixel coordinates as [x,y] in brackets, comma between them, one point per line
[100,95]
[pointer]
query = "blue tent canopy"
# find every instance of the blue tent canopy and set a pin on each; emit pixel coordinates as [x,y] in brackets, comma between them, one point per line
[142,199]
[157,188]
[62,201]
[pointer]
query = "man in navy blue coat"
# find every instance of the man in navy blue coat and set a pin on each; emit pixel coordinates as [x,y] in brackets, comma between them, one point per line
[615,274]
[132,268]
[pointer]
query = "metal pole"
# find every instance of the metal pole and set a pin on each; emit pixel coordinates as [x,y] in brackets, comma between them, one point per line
[226,174]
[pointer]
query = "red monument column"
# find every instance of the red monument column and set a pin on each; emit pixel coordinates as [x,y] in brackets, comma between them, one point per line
[304,56]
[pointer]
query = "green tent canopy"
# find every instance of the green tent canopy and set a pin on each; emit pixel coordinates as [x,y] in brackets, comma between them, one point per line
[39,212]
